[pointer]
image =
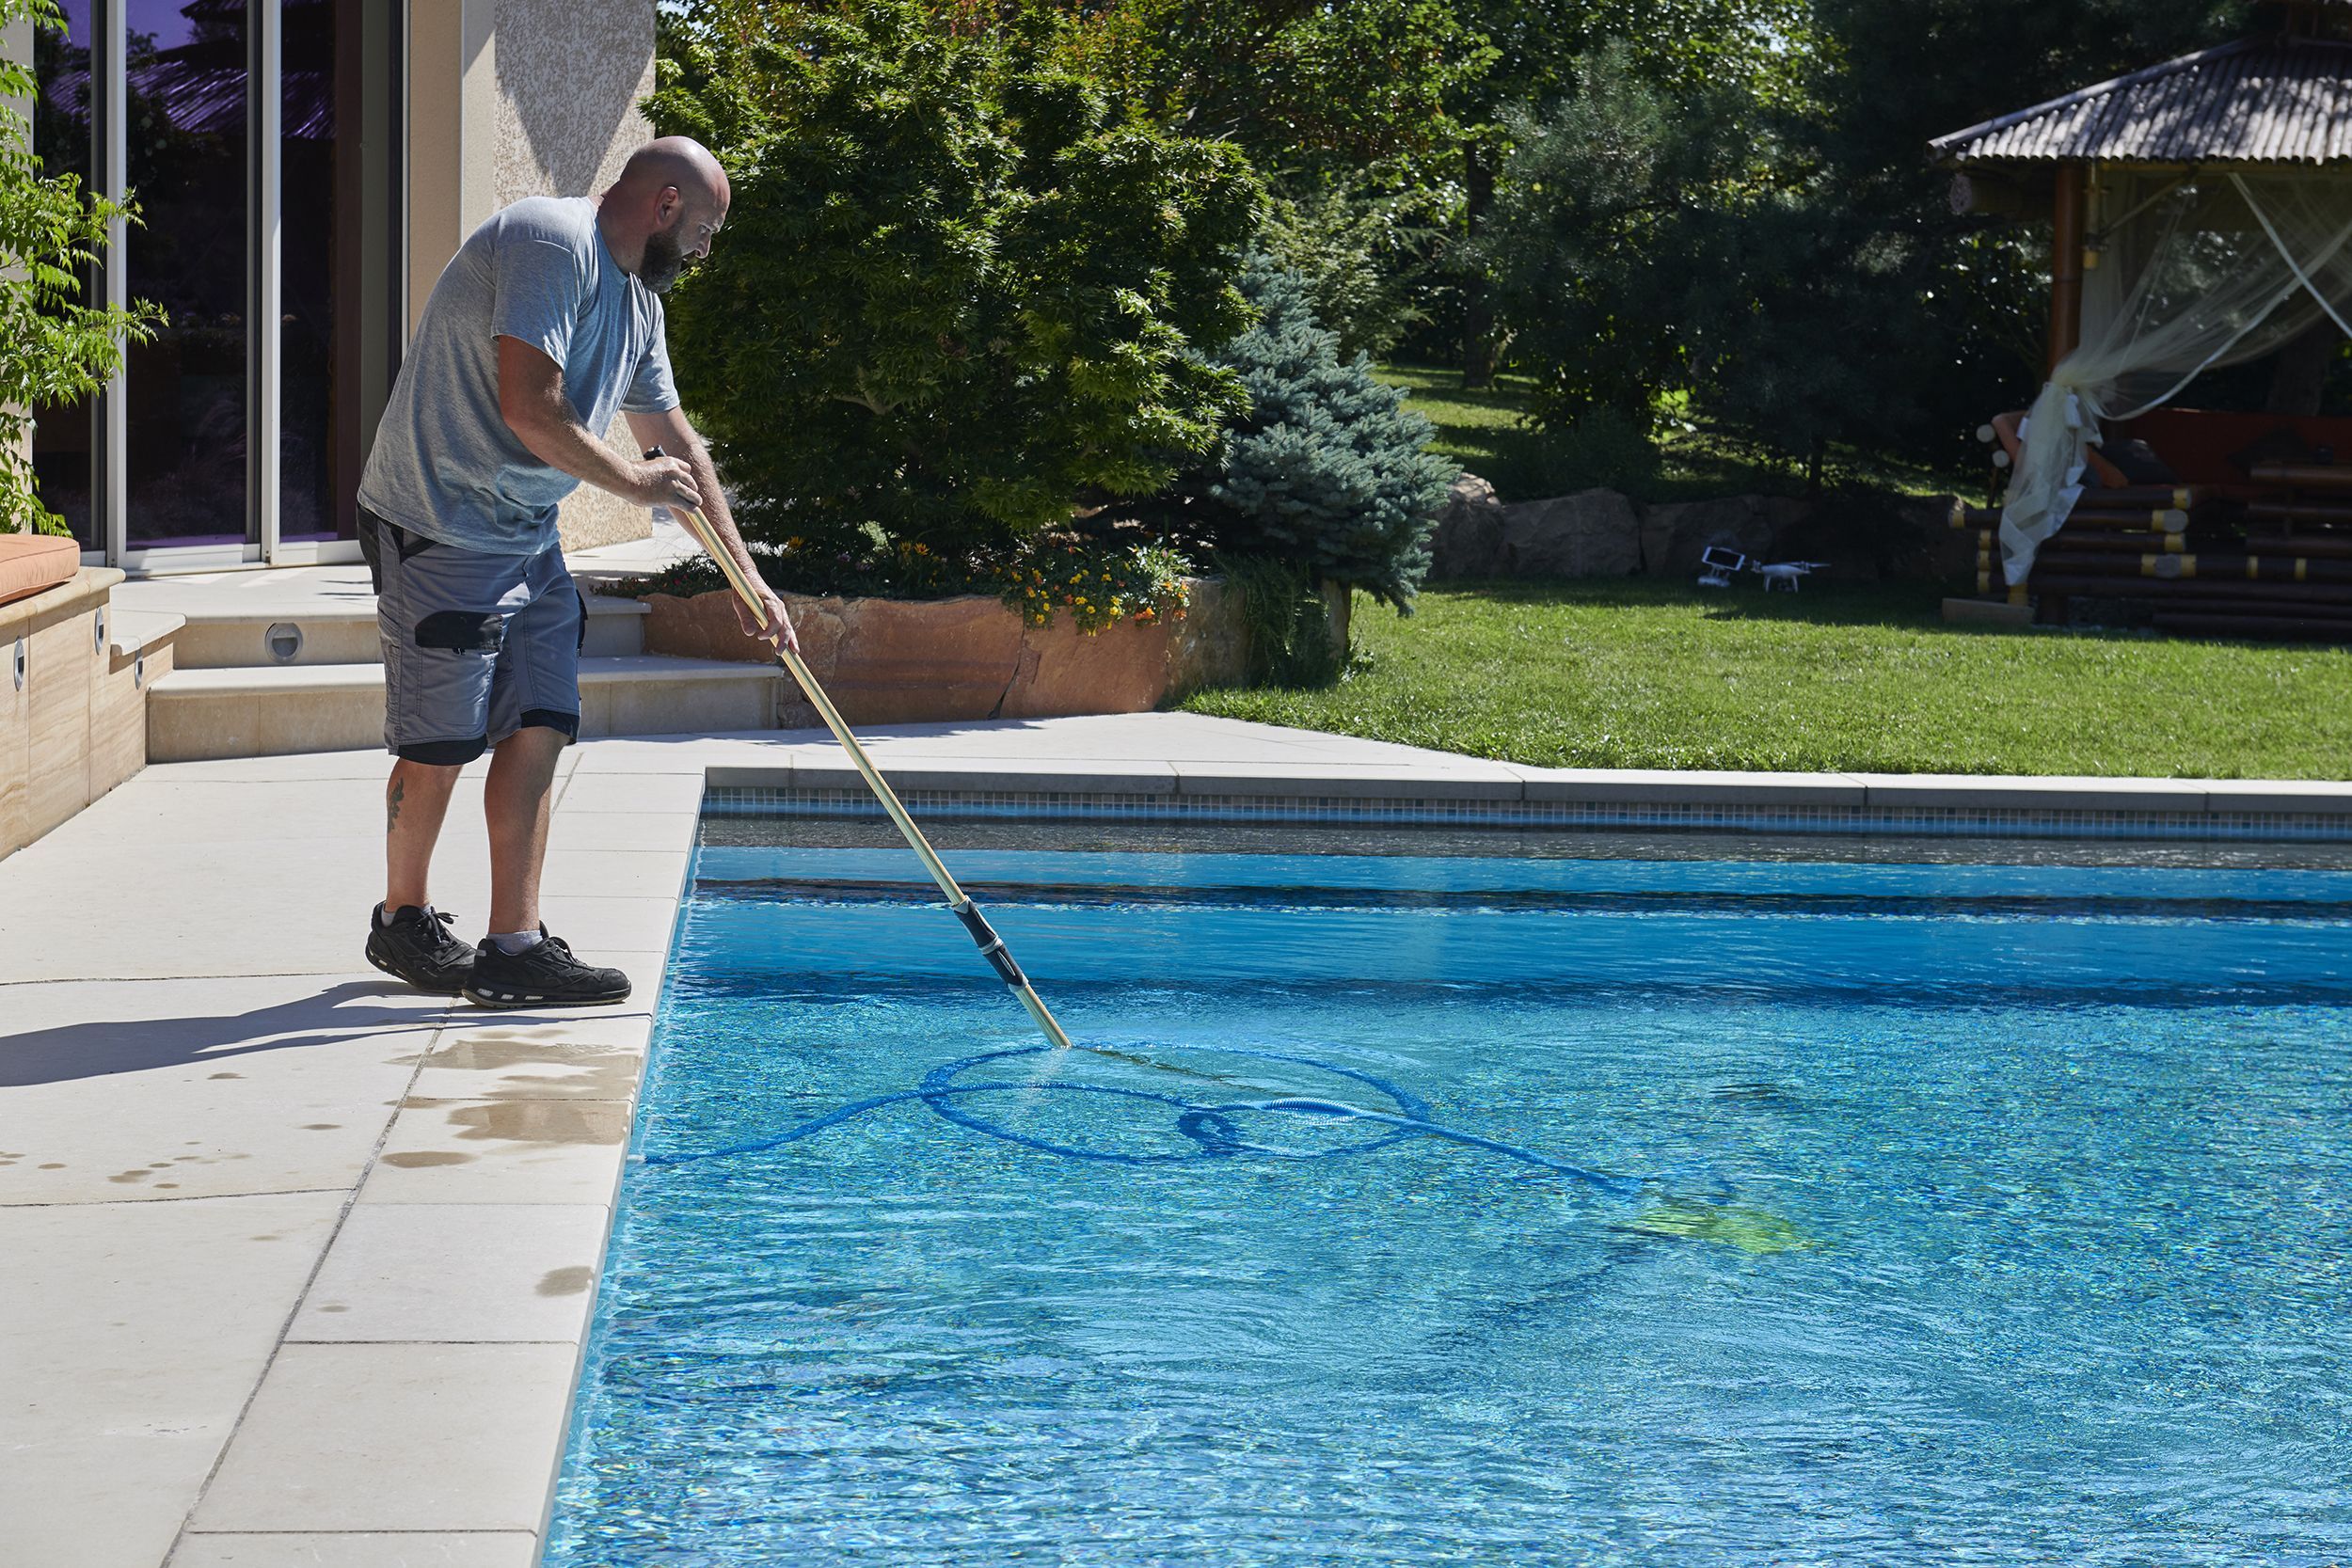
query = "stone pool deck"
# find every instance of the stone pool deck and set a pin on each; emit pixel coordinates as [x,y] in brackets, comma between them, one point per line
[298,1265]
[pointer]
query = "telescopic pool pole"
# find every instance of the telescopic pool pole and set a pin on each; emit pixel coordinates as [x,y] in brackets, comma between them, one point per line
[992,946]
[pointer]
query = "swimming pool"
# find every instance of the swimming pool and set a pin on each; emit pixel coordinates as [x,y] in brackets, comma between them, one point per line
[1941,1212]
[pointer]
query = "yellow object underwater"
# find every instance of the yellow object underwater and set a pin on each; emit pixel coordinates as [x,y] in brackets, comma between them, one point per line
[1752,1230]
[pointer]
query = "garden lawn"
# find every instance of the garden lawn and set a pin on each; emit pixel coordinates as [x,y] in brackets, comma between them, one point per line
[1631,675]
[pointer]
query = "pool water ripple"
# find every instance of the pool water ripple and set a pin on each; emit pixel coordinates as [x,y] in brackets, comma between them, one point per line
[2037,1248]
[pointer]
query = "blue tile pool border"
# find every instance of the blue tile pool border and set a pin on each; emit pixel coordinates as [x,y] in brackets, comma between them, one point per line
[1969,821]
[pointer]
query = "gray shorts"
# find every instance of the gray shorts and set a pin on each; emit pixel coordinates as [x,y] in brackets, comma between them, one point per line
[476,647]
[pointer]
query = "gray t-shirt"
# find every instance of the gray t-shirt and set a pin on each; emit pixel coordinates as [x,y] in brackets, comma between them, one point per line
[445,465]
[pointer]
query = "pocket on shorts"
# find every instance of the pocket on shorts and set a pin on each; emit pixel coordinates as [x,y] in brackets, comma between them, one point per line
[462,631]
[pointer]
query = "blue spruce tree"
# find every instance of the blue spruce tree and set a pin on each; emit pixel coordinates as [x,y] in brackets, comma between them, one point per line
[1326,471]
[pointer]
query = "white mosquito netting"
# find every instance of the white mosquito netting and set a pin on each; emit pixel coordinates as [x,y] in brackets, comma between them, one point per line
[2193,273]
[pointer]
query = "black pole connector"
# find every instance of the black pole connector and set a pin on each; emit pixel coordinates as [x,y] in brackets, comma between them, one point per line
[992,946]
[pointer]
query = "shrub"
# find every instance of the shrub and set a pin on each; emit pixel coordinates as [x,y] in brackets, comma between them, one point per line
[50,232]
[1327,469]
[1100,580]
[1286,625]
[1362,247]
[957,290]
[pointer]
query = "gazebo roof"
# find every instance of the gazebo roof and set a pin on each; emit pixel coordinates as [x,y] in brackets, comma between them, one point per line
[2257,101]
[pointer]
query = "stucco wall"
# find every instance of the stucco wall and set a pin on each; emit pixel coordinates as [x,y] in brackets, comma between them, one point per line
[570,73]
[517,97]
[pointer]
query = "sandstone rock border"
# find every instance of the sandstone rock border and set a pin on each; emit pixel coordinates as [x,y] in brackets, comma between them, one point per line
[901,662]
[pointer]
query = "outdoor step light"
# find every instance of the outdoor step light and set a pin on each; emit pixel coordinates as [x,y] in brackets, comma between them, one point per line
[285,642]
[19,664]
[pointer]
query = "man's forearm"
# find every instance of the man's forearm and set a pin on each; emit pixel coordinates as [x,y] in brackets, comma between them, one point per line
[566,445]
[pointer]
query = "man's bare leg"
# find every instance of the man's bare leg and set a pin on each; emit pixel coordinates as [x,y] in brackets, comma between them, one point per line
[515,804]
[415,801]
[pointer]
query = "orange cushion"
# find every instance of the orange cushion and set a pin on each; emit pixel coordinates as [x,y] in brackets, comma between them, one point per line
[30,562]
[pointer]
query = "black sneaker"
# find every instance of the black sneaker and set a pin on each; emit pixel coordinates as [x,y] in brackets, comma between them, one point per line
[418,947]
[542,974]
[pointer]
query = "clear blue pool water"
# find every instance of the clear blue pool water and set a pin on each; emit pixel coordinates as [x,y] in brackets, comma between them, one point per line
[2004,1218]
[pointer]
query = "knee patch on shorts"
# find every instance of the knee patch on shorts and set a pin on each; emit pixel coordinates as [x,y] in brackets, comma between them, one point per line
[462,631]
[443,754]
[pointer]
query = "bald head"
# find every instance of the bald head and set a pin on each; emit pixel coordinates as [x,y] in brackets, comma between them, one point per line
[667,205]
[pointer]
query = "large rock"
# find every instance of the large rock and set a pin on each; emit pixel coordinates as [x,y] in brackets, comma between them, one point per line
[895,662]
[1592,533]
[1467,541]
[1061,669]
[1674,535]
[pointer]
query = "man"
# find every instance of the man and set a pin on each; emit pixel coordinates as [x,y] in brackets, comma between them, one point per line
[544,324]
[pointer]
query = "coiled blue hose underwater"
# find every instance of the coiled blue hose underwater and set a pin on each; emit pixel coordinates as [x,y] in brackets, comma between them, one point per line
[1211,1128]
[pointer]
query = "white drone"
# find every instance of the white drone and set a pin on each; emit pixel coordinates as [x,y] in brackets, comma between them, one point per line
[1722,564]
[1785,573]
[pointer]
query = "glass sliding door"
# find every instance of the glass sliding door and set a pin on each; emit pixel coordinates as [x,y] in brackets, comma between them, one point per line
[187,100]
[259,140]
[64,435]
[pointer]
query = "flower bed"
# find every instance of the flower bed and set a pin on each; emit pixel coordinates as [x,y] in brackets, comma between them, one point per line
[897,662]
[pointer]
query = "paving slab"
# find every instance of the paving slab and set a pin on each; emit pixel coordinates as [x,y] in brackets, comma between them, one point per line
[637,873]
[373,762]
[692,755]
[595,791]
[471,1271]
[2272,795]
[1961,791]
[408,1549]
[1656,786]
[501,1151]
[113,1091]
[396,1437]
[131,1336]
[596,1055]
[1468,781]
[835,771]
[597,926]
[670,832]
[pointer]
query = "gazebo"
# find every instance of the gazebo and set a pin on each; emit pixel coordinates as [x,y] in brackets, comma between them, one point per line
[2201,216]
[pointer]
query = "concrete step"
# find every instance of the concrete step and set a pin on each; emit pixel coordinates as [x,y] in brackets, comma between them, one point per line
[233,636]
[200,714]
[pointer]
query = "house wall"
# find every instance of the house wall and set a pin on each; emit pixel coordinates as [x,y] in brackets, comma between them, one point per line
[516,98]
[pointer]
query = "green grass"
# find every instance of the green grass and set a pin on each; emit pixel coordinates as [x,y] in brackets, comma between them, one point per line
[1486,431]
[1633,675]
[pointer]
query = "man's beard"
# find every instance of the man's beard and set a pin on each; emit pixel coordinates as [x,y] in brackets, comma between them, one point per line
[664,261]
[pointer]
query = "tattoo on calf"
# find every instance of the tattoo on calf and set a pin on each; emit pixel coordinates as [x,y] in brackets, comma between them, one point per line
[392,805]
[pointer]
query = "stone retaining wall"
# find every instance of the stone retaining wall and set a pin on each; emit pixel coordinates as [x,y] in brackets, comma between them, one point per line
[897,661]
